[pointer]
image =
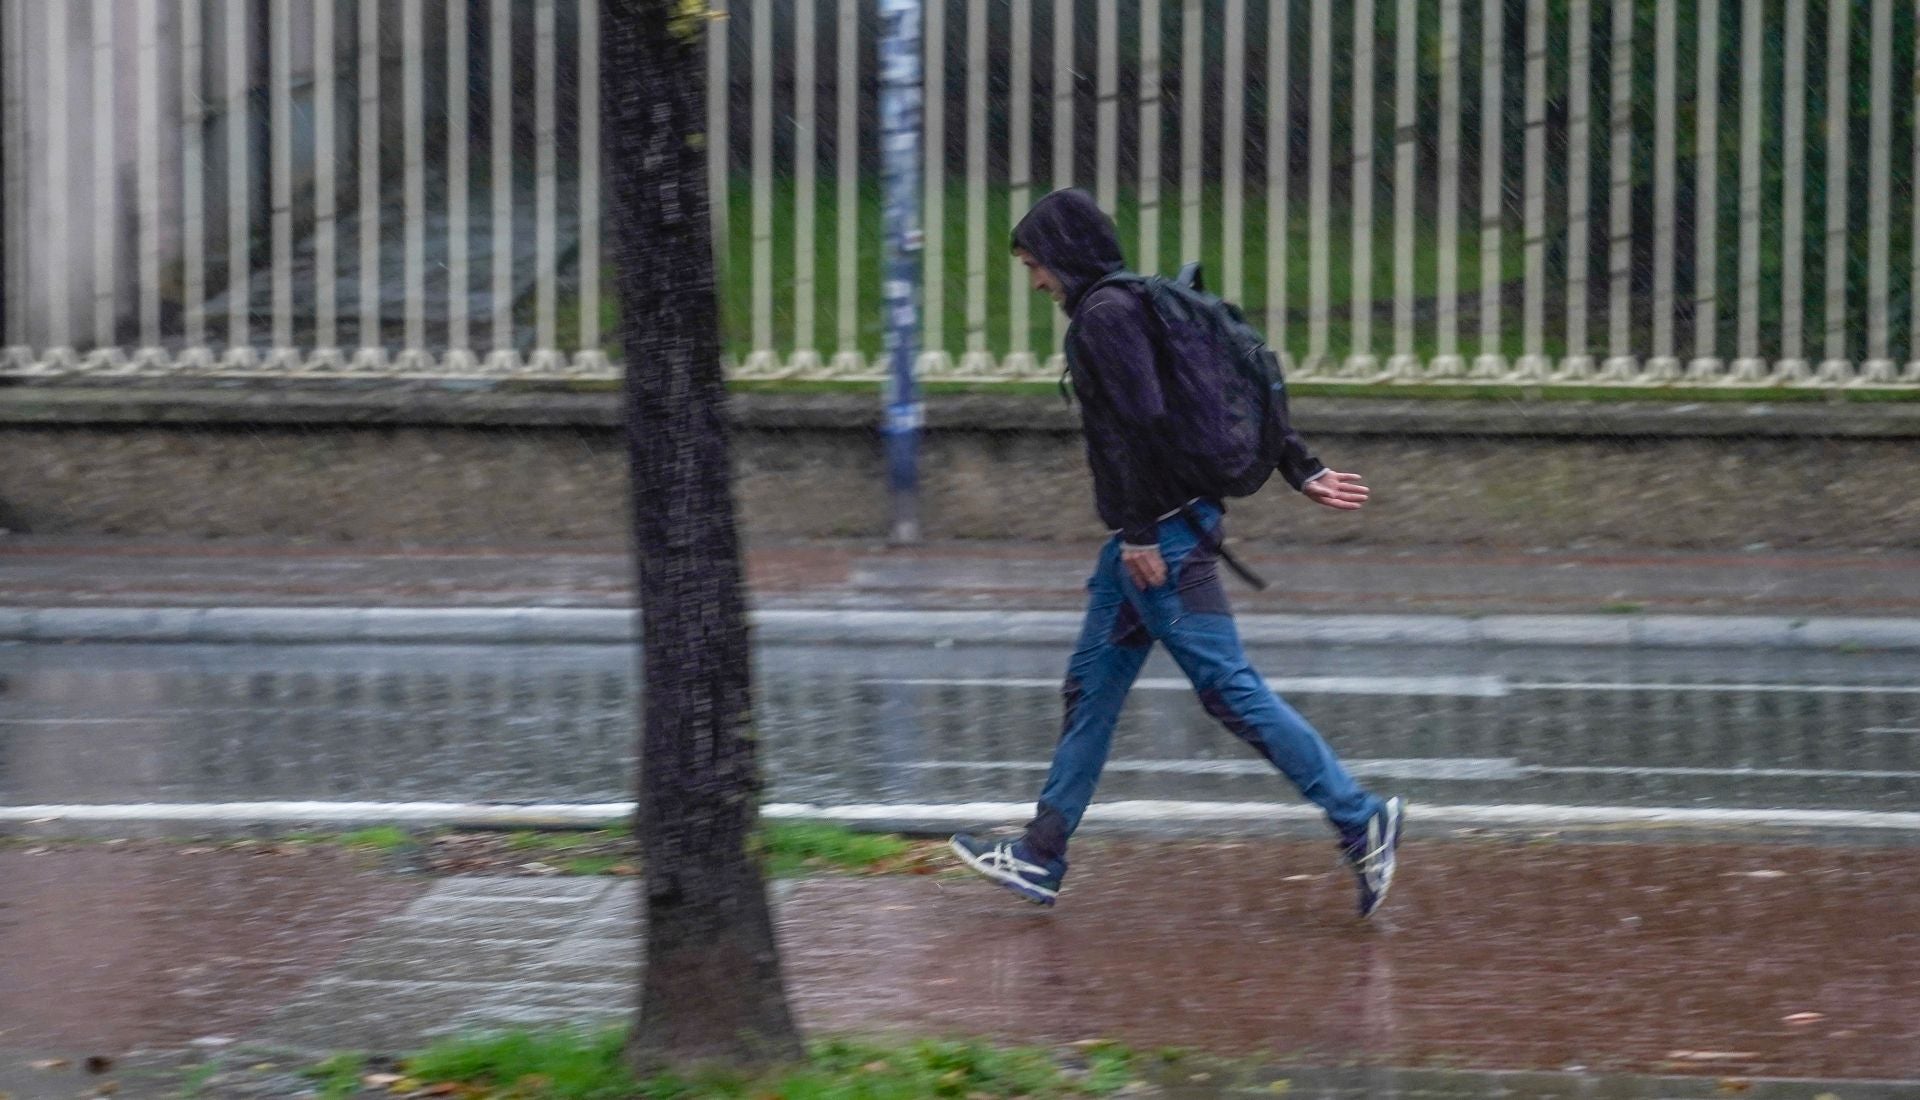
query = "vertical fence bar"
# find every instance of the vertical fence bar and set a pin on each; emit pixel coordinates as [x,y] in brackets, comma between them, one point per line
[589,53]
[1579,358]
[239,293]
[1319,184]
[1620,364]
[1533,363]
[1837,368]
[1793,149]
[846,156]
[326,197]
[1279,129]
[1403,364]
[1448,363]
[13,41]
[977,359]
[1062,142]
[1748,365]
[933,358]
[459,225]
[1191,142]
[1879,366]
[1663,366]
[105,173]
[413,125]
[59,192]
[1019,184]
[1233,145]
[149,173]
[719,159]
[1148,257]
[193,166]
[1706,189]
[761,358]
[546,180]
[500,86]
[369,129]
[1489,362]
[1360,358]
[280,76]
[806,354]
[1107,123]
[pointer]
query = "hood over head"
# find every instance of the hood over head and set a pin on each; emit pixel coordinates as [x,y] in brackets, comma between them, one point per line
[1067,233]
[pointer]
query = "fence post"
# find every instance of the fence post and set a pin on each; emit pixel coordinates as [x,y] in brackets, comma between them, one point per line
[900,151]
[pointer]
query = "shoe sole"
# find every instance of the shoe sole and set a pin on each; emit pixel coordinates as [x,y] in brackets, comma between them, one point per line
[1027,890]
[1396,809]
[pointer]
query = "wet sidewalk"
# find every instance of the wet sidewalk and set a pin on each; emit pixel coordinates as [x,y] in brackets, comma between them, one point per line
[1732,959]
[958,576]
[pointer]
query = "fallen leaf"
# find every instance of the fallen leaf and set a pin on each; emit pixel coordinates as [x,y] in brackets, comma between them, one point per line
[107,1088]
[1280,1087]
[99,1063]
[444,1088]
[379,1080]
[1733,1084]
[1800,1019]
[50,1063]
[1711,1055]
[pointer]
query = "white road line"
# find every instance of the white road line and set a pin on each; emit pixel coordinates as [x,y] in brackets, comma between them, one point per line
[1494,767]
[1796,689]
[1481,686]
[941,815]
[1738,773]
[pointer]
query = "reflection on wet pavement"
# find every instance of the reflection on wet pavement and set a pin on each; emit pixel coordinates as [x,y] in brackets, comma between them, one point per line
[1717,958]
[1753,728]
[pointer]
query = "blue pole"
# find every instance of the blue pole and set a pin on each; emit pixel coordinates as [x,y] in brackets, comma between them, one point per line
[900,175]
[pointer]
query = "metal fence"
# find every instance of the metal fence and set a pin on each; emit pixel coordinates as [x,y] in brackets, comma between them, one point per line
[1629,192]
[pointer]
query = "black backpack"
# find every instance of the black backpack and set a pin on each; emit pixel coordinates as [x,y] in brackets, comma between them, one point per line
[1225,392]
[1225,389]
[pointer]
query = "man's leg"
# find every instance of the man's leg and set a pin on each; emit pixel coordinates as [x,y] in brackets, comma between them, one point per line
[1113,644]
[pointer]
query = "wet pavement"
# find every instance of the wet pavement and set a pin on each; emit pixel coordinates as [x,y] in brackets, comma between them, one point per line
[931,725]
[42,572]
[1727,960]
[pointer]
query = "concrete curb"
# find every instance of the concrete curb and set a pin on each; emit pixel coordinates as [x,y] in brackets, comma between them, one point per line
[596,626]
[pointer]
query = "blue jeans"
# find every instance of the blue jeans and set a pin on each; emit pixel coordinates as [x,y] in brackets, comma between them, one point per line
[1189,615]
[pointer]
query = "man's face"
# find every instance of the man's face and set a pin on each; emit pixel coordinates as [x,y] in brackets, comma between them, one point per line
[1043,280]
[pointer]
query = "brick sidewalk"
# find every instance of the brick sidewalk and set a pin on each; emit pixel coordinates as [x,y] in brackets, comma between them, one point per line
[1731,958]
[1033,576]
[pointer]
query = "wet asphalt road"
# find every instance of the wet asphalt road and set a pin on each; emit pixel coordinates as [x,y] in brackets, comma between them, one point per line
[853,725]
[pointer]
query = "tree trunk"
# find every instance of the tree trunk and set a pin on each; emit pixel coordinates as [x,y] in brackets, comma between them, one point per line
[712,989]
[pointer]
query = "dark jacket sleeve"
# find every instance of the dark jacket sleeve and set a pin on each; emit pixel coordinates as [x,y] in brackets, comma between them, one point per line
[1297,464]
[1112,344]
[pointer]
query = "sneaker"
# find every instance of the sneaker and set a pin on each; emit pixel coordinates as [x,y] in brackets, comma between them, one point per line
[1008,863]
[1371,854]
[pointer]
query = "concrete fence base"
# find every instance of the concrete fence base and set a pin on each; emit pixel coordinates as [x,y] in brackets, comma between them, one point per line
[420,465]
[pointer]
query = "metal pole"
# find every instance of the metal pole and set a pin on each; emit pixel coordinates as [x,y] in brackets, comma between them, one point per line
[900,148]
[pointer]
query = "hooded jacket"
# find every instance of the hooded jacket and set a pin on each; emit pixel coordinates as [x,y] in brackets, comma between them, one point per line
[1111,358]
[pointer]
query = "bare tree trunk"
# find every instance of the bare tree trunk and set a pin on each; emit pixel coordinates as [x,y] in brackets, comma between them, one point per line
[712,989]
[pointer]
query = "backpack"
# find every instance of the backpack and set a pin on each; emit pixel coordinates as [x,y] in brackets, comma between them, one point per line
[1225,389]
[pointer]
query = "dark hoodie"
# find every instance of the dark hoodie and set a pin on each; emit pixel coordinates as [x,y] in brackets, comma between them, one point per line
[1110,355]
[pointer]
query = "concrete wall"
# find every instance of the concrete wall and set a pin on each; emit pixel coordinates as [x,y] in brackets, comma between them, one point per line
[425,466]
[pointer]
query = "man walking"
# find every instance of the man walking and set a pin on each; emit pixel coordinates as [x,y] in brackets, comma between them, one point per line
[1157,578]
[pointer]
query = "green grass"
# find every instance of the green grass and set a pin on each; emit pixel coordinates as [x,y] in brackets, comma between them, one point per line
[384,838]
[572,1065]
[796,848]
[592,865]
[555,840]
[338,1077]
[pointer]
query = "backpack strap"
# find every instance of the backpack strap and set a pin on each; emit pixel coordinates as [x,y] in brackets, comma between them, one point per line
[1213,542]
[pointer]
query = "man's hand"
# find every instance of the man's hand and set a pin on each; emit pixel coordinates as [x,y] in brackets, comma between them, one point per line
[1337,490]
[1144,565]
